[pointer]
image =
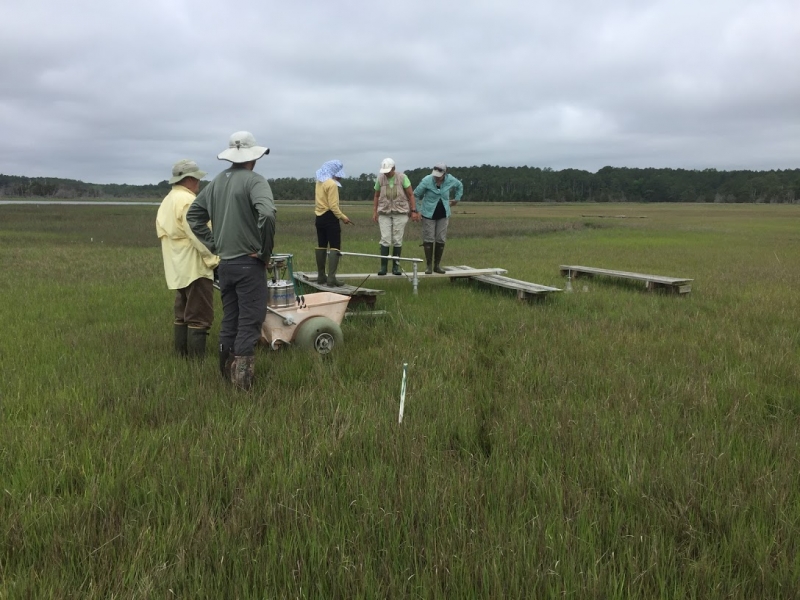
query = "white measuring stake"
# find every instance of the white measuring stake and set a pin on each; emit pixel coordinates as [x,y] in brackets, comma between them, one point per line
[403,392]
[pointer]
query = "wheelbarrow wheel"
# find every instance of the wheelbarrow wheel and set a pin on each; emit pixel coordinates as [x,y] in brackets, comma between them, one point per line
[319,334]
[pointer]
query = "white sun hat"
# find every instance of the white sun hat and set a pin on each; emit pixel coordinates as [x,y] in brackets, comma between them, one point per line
[242,148]
[387,164]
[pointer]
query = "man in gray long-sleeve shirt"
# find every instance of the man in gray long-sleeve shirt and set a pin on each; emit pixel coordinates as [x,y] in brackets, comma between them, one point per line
[242,212]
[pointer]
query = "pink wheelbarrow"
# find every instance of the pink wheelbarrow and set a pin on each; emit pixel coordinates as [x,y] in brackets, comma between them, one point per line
[311,321]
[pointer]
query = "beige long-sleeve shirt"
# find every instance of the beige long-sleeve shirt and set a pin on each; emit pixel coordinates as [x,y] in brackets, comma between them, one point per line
[186,259]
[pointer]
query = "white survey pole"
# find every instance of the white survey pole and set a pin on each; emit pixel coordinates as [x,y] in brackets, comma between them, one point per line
[403,392]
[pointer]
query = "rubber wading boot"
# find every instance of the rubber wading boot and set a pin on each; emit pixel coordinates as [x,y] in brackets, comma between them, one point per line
[225,361]
[437,259]
[384,261]
[396,270]
[428,247]
[321,254]
[333,265]
[242,371]
[196,342]
[181,332]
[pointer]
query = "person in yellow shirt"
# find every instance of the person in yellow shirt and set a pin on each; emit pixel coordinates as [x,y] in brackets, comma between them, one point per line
[328,213]
[188,264]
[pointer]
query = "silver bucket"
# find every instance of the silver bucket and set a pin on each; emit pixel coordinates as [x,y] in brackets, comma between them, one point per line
[280,294]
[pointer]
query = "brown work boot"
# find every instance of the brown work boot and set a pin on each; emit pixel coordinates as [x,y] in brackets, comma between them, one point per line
[242,372]
[225,361]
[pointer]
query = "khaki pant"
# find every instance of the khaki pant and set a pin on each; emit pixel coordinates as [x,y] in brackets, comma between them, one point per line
[434,230]
[393,227]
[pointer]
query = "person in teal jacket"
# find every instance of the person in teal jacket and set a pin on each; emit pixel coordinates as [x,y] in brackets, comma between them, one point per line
[434,202]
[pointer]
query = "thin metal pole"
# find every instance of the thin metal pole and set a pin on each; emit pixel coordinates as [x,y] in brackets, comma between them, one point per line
[415,279]
[414,260]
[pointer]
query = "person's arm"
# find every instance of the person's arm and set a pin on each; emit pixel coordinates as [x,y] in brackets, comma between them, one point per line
[210,259]
[264,205]
[419,195]
[459,191]
[375,201]
[412,201]
[197,216]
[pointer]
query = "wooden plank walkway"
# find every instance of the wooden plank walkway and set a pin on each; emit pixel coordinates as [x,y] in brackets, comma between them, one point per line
[524,289]
[358,295]
[679,285]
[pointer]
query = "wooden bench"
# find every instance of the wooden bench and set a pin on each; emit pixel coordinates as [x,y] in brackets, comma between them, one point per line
[678,285]
[524,289]
[358,295]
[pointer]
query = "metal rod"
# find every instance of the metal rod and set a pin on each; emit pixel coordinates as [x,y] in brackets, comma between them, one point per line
[414,260]
[415,279]
[287,319]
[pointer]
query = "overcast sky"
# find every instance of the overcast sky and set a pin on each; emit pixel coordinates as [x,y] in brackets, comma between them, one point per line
[107,91]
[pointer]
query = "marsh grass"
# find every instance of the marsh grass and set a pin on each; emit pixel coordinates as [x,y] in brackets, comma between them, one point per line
[602,444]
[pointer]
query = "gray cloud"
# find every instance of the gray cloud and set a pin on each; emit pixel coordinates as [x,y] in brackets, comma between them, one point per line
[105,93]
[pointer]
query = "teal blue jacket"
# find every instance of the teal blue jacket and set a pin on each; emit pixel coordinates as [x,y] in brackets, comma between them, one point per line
[428,195]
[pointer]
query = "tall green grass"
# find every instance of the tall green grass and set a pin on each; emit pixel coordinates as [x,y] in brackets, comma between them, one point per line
[610,443]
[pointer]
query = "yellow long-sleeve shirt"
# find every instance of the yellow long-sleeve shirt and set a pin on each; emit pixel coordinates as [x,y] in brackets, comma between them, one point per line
[186,258]
[326,198]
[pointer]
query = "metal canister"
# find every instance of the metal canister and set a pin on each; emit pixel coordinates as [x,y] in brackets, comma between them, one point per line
[280,294]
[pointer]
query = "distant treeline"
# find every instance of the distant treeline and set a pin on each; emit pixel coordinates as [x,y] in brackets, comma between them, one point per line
[493,184]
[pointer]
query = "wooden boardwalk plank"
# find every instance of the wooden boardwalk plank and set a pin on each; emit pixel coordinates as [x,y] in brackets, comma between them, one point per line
[524,289]
[681,285]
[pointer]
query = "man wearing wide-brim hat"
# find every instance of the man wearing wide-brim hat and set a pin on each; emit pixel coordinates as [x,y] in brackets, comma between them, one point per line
[188,264]
[240,206]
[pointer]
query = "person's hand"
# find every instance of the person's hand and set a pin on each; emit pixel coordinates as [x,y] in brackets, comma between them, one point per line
[453,202]
[375,216]
[347,221]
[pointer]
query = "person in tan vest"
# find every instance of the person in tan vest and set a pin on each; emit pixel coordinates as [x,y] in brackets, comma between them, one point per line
[393,203]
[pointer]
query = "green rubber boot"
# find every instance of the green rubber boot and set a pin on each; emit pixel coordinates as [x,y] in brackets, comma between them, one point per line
[181,331]
[333,265]
[321,253]
[437,259]
[384,261]
[428,247]
[196,342]
[396,270]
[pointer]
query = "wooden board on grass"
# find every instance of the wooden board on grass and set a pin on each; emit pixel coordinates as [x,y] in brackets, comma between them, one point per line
[678,285]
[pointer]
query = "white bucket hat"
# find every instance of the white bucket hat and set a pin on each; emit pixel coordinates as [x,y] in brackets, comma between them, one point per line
[185,168]
[387,164]
[242,148]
